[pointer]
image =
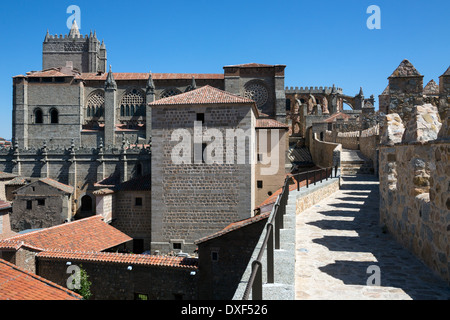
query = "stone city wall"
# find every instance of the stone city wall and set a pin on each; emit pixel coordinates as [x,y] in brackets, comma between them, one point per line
[324,154]
[414,185]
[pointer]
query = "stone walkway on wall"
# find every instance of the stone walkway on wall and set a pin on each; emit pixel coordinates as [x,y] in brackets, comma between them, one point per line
[340,238]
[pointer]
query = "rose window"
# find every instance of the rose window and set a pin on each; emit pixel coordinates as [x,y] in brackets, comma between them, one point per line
[257,93]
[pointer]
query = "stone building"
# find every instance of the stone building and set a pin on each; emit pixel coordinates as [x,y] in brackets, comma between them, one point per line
[203,165]
[79,123]
[41,204]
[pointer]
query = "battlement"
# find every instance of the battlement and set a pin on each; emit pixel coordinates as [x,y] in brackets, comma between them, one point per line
[316,90]
[86,52]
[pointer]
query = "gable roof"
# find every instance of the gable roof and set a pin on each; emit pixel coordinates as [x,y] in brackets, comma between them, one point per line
[203,95]
[405,69]
[270,123]
[19,284]
[234,226]
[337,115]
[88,234]
[53,183]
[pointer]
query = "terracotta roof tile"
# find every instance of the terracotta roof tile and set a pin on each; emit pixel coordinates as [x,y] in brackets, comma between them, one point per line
[61,186]
[337,115]
[251,65]
[88,234]
[123,258]
[203,95]
[156,76]
[19,284]
[47,73]
[270,123]
[234,226]
[4,204]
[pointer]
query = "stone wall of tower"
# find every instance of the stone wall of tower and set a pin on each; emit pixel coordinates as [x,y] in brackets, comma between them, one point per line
[85,52]
[267,80]
[28,98]
[191,201]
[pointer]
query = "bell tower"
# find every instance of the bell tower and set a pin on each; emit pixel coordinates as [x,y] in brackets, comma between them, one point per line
[87,53]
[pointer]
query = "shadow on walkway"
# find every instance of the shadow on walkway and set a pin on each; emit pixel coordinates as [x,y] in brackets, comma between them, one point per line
[359,199]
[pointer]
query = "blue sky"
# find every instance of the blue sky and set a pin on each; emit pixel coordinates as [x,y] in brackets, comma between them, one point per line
[321,42]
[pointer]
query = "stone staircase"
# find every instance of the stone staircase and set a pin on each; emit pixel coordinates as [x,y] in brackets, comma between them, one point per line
[353,162]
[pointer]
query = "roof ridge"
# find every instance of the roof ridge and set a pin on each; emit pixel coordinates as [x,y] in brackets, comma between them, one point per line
[178,99]
[52,227]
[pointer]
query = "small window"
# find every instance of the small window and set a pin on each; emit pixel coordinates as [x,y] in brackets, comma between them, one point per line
[41,202]
[176,245]
[54,116]
[29,204]
[138,202]
[214,256]
[38,117]
[259,184]
[201,117]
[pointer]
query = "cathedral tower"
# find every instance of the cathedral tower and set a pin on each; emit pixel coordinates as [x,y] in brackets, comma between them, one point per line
[87,54]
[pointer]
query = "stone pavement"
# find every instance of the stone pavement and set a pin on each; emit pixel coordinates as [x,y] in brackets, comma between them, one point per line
[338,240]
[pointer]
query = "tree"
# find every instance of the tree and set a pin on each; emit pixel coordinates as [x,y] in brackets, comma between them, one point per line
[85,285]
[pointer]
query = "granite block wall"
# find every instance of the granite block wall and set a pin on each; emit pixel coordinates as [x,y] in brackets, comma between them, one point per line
[414,186]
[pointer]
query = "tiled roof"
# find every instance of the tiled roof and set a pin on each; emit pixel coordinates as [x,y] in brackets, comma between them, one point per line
[112,184]
[251,65]
[47,73]
[61,186]
[142,183]
[4,204]
[123,258]
[18,181]
[337,115]
[203,95]
[88,234]
[234,226]
[156,76]
[7,175]
[405,69]
[270,123]
[19,284]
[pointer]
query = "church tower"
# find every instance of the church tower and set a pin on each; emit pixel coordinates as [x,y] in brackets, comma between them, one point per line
[87,53]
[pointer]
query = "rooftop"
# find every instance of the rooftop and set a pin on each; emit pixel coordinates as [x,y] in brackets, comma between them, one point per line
[19,284]
[203,95]
[234,226]
[270,123]
[88,234]
[122,258]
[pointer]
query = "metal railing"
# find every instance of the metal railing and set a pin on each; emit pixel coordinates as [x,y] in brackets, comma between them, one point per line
[272,238]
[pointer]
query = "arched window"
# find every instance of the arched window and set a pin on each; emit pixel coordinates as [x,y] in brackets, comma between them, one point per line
[38,116]
[132,101]
[170,92]
[95,105]
[86,203]
[54,116]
